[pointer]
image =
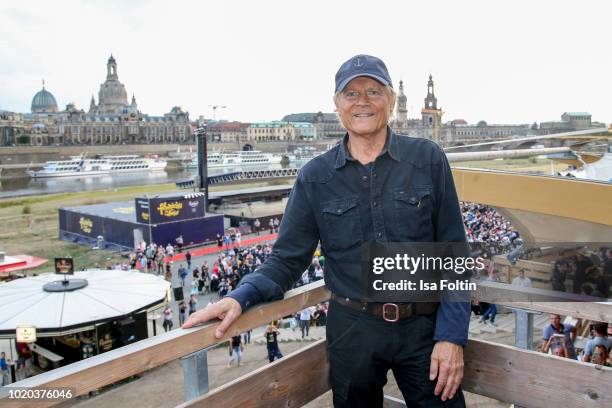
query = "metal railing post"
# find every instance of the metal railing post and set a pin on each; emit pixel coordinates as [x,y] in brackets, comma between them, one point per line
[195,374]
[524,329]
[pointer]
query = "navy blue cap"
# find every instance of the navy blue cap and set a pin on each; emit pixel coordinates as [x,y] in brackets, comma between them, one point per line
[362,65]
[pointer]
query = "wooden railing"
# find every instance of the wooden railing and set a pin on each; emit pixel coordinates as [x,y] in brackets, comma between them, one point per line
[497,371]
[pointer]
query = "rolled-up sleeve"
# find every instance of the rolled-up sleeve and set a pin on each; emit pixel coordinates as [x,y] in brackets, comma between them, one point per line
[297,239]
[453,317]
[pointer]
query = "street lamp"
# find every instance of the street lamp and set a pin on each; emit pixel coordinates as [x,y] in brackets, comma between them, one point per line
[200,134]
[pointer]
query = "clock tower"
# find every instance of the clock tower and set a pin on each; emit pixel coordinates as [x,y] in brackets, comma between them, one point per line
[430,114]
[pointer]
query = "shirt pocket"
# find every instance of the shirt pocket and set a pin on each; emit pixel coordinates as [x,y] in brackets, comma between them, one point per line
[341,223]
[413,212]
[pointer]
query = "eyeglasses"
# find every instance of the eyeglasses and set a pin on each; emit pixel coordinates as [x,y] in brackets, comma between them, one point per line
[353,96]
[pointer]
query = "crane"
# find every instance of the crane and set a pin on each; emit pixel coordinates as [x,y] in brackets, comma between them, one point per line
[214,108]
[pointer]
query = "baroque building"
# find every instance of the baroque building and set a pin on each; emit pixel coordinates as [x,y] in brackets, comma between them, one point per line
[111,121]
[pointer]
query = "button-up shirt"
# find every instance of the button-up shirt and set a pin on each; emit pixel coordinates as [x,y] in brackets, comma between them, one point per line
[406,194]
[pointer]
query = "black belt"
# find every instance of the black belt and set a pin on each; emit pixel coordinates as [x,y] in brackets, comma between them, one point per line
[390,312]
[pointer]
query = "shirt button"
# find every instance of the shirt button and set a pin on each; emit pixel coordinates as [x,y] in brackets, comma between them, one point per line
[380,235]
[374,174]
[374,204]
[365,178]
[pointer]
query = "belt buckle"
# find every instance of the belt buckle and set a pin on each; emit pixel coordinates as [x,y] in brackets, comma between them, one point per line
[390,306]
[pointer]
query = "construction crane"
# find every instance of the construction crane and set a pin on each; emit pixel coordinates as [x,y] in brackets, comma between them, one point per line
[214,108]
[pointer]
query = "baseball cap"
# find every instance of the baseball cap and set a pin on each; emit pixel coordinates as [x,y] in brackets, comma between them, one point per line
[362,65]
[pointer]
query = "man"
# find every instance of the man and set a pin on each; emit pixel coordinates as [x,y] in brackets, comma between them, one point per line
[235,349]
[375,186]
[272,343]
[4,369]
[183,272]
[600,337]
[305,321]
[557,330]
[521,280]
[600,355]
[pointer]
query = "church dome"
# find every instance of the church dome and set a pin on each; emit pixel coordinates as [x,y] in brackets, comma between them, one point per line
[43,102]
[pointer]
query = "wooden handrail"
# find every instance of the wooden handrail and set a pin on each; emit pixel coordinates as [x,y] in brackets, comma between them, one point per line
[98,371]
[497,371]
[544,300]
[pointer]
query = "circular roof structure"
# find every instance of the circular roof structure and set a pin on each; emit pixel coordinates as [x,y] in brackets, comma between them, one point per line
[44,101]
[107,295]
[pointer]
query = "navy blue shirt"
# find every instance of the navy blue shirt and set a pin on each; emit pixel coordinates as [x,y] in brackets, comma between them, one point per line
[406,195]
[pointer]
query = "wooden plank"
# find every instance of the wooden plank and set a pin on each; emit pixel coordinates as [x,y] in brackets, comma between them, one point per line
[533,379]
[497,371]
[392,402]
[291,381]
[115,365]
[544,300]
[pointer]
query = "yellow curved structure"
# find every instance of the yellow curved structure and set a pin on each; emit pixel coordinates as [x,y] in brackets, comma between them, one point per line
[543,209]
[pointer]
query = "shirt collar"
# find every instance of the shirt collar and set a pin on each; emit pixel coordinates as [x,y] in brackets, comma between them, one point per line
[391,146]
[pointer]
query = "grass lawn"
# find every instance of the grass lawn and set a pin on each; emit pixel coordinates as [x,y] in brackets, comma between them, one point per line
[30,225]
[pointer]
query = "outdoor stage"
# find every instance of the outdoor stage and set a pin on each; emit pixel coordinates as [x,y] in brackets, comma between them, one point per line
[160,219]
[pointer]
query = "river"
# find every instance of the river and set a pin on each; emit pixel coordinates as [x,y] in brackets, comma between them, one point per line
[25,186]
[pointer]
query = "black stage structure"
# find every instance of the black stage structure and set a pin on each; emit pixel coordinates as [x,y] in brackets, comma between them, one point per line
[160,219]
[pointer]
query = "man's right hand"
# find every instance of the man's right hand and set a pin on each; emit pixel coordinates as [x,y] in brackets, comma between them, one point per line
[227,310]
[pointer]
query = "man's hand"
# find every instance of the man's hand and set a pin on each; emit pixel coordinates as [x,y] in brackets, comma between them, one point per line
[227,309]
[447,365]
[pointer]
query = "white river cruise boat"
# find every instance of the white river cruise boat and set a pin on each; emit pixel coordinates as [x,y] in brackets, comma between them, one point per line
[100,165]
[237,159]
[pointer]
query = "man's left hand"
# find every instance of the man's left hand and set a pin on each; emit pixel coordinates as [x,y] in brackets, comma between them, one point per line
[447,366]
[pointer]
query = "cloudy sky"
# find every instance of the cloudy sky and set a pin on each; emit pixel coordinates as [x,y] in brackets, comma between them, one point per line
[510,62]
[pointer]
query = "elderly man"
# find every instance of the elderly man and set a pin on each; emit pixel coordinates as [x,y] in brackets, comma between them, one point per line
[375,186]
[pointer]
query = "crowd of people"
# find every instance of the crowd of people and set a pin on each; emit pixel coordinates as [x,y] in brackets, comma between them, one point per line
[559,339]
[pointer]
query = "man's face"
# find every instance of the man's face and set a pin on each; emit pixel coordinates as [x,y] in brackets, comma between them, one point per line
[599,355]
[364,106]
[555,320]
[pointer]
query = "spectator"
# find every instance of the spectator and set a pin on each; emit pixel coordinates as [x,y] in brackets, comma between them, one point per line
[236,349]
[183,272]
[305,321]
[188,259]
[182,309]
[256,225]
[4,369]
[167,325]
[272,343]
[219,243]
[567,331]
[193,302]
[600,337]
[179,242]
[521,280]
[601,355]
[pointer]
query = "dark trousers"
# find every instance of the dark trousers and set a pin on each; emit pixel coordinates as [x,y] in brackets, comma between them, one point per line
[273,353]
[362,348]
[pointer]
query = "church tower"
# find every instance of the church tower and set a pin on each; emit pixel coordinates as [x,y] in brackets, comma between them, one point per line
[92,105]
[112,97]
[401,111]
[431,115]
[431,102]
[111,68]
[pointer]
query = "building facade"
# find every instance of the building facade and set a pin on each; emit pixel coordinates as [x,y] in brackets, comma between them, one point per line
[112,120]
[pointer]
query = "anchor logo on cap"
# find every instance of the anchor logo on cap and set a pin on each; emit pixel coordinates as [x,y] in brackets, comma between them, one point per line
[358,62]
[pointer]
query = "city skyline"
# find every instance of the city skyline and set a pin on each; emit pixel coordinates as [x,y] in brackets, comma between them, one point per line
[262,65]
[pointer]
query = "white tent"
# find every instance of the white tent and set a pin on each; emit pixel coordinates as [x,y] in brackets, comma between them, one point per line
[109,294]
